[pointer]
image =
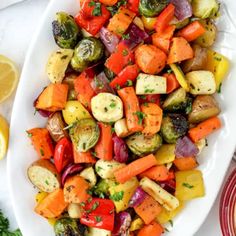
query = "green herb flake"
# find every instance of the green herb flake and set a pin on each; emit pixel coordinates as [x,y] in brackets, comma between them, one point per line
[113,130]
[29,134]
[129,83]
[171,223]
[118,87]
[140,116]
[98,169]
[94,154]
[219,89]
[187,185]
[98,218]
[148,90]
[169,71]
[41,152]
[95,206]
[118,196]
[97,11]
[125,52]
[125,36]
[112,104]
[46,182]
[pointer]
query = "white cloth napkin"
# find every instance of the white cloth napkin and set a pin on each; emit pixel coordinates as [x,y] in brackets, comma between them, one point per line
[6,3]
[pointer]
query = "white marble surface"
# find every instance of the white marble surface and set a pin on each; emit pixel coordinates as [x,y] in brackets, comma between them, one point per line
[17,25]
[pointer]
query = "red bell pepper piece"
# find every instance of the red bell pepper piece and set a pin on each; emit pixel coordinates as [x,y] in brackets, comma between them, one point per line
[120,58]
[82,85]
[164,18]
[99,213]
[172,82]
[92,16]
[133,5]
[129,73]
[63,154]
[153,98]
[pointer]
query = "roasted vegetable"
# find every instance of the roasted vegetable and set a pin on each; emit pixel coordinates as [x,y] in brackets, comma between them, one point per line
[150,84]
[141,145]
[68,227]
[97,232]
[165,154]
[55,126]
[150,8]
[218,65]
[189,185]
[74,111]
[44,176]
[57,64]
[198,62]
[65,31]
[109,74]
[173,126]
[88,50]
[209,37]
[204,107]
[201,82]
[205,8]
[178,101]
[102,188]
[74,210]
[106,169]
[168,201]
[89,175]
[84,134]
[107,107]
[121,128]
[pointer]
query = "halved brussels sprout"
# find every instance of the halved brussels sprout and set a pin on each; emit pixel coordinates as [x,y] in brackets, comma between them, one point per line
[68,227]
[178,101]
[65,31]
[150,8]
[205,8]
[141,145]
[173,127]
[84,134]
[87,51]
[102,188]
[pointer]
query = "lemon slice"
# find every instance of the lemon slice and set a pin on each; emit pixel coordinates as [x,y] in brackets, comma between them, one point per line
[8,77]
[4,135]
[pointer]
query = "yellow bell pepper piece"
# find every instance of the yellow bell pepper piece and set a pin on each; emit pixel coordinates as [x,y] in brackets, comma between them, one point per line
[121,193]
[218,65]
[136,224]
[165,216]
[40,196]
[189,185]
[165,154]
[180,76]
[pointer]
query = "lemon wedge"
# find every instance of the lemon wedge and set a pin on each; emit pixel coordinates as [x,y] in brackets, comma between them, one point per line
[4,136]
[9,76]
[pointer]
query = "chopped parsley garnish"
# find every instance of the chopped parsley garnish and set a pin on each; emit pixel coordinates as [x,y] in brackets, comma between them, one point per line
[187,185]
[219,89]
[46,182]
[113,104]
[148,90]
[129,83]
[98,218]
[140,116]
[95,206]
[41,152]
[171,223]
[29,134]
[94,154]
[125,36]
[118,87]
[118,196]
[98,168]
[125,52]
[97,8]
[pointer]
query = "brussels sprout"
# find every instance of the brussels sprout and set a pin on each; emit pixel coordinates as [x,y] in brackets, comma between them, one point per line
[68,227]
[205,8]
[173,126]
[65,31]
[150,8]
[84,134]
[178,101]
[102,188]
[141,145]
[87,51]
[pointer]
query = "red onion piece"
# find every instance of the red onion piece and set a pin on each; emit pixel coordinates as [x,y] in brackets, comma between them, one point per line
[138,197]
[70,170]
[169,185]
[135,36]
[183,9]
[43,113]
[185,148]
[120,150]
[109,39]
[100,84]
[122,224]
